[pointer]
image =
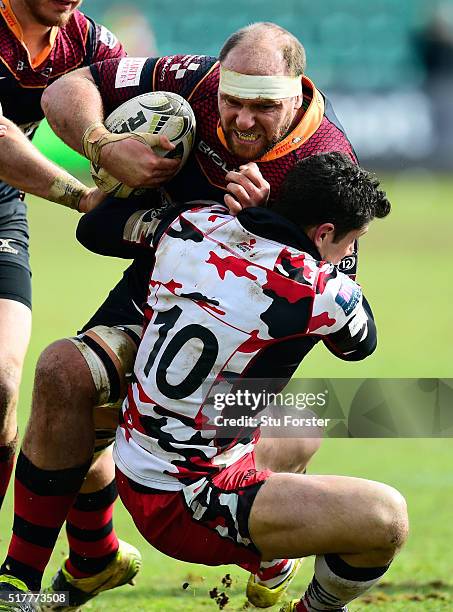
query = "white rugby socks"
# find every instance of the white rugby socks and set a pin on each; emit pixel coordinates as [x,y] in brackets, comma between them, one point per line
[336,583]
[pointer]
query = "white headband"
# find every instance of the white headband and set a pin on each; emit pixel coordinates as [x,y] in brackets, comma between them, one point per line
[252,86]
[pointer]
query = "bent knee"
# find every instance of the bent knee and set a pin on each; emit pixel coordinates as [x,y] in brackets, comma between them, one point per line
[63,372]
[392,520]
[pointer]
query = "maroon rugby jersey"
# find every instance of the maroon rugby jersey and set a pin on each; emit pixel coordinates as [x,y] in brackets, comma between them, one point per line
[22,80]
[196,78]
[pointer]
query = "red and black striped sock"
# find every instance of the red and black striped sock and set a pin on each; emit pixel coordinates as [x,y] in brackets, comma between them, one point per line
[42,499]
[92,540]
[7,455]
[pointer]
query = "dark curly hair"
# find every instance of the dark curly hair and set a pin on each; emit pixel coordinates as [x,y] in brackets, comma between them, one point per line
[330,188]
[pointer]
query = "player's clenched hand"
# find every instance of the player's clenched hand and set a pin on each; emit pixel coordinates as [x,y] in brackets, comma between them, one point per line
[90,199]
[136,164]
[246,187]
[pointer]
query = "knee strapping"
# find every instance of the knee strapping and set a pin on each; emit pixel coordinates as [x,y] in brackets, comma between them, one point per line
[110,354]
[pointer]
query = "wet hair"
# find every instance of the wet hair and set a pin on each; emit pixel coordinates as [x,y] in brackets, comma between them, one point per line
[330,188]
[291,48]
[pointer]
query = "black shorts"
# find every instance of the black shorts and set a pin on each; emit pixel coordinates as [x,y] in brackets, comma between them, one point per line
[15,272]
[123,305]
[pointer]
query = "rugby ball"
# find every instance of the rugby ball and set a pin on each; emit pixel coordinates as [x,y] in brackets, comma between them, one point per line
[156,112]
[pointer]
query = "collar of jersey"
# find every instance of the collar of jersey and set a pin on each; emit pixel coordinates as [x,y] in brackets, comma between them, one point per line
[15,27]
[270,224]
[306,127]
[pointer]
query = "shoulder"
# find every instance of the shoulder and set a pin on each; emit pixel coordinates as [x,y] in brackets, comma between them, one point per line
[183,73]
[347,294]
[337,293]
[183,64]
[99,41]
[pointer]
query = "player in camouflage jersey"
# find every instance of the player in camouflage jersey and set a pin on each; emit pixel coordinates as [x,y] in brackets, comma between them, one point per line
[275,126]
[233,299]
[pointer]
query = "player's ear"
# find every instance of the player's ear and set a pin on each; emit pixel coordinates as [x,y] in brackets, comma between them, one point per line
[298,102]
[324,232]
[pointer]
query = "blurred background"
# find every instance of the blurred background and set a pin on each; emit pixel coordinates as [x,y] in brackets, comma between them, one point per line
[387,66]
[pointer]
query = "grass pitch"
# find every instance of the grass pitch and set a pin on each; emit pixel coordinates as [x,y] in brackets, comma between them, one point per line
[405,269]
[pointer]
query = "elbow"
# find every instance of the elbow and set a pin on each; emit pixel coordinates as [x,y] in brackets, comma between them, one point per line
[362,352]
[366,346]
[354,349]
[55,100]
[49,104]
[47,96]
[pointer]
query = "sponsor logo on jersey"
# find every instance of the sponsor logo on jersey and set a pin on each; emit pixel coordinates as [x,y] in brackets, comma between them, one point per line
[203,147]
[129,72]
[246,245]
[108,38]
[348,295]
[5,246]
[182,68]
[347,263]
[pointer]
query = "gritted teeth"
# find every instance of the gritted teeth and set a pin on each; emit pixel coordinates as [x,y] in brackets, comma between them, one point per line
[246,136]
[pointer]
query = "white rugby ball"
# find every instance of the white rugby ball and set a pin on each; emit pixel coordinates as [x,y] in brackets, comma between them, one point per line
[156,112]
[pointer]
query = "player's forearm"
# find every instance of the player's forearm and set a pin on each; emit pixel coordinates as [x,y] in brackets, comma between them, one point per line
[24,167]
[71,104]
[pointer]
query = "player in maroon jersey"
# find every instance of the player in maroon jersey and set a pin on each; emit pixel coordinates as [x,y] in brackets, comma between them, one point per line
[280,122]
[40,40]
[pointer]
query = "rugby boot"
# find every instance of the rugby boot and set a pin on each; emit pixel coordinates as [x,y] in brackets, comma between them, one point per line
[121,570]
[14,595]
[262,596]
